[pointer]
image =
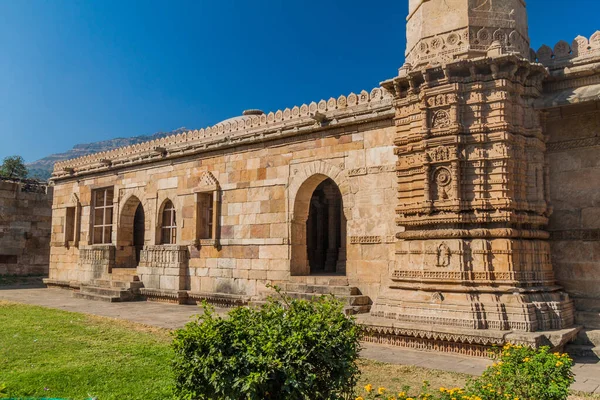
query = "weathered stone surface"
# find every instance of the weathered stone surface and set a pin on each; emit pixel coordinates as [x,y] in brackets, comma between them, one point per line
[452,194]
[25,224]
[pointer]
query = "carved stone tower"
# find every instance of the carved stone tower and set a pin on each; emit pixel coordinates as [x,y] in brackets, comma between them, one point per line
[444,30]
[472,180]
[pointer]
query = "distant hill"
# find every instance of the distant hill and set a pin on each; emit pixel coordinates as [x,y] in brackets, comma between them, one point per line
[42,169]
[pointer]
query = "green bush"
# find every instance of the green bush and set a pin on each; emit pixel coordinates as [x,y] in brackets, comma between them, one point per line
[518,373]
[526,374]
[288,349]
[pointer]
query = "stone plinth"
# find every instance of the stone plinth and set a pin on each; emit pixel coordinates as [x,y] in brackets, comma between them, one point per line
[164,267]
[96,262]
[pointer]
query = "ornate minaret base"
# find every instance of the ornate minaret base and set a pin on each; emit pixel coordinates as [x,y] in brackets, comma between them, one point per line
[473,255]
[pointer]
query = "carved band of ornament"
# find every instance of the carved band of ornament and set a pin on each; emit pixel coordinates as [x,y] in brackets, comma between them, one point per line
[442,100]
[576,234]
[220,300]
[455,338]
[525,276]
[164,296]
[297,115]
[365,239]
[357,171]
[573,144]
[372,170]
[104,253]
[571,83]
[372,239]
[443,47]
[472,350]
[410,218]
[164,254]
[474,233]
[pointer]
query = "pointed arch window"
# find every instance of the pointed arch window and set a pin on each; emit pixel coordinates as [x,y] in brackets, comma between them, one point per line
[169,224]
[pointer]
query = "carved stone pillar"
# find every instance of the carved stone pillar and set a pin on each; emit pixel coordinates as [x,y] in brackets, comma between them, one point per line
[472,195]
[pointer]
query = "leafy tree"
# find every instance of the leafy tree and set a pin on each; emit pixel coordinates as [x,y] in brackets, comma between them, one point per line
[13,167]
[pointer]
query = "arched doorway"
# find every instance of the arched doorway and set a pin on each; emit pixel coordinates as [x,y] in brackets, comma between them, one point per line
[318,229]
[131,234]
[139,231]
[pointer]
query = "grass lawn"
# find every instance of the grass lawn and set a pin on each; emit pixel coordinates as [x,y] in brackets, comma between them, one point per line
[53,353]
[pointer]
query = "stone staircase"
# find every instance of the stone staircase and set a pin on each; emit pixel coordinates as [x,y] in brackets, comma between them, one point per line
[587,344]
[354,301]
[124,285]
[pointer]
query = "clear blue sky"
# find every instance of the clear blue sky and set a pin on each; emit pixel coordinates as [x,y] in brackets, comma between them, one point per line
[81,71]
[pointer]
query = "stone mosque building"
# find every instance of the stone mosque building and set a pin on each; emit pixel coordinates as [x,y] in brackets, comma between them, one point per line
[455,207]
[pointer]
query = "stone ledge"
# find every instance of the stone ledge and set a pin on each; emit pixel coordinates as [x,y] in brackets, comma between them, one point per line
[164,295]
[61,284]
[219,299]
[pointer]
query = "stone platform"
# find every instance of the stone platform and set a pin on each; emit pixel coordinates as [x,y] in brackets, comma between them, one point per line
[456,340]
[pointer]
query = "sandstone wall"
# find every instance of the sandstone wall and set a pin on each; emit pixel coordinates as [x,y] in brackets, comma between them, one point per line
[25,215]
[259,185]
[573,153]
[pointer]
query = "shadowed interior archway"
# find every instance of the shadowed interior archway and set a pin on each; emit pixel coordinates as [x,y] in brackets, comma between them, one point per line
[318,229]
[131,233]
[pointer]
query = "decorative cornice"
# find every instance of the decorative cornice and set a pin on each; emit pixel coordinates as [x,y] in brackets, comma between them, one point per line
[354,108]
[573,144]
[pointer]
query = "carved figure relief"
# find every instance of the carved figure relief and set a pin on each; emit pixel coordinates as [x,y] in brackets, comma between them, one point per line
[441,100]
[441,184]
[440,119]
[440,153]
[443,256]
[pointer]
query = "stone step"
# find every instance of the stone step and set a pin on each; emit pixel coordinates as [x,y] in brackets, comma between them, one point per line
[321,289]
[588,337]
[107,283]
[122,294]
[96,297]
[583,351]
[589,319]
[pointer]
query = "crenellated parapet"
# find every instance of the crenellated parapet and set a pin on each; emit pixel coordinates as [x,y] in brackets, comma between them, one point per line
[581,50]
[235,131]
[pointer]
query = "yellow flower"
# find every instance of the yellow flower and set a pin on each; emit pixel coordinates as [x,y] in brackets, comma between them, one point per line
[559,363]
[369,388]
[360,398]
[526,359]
[381,390]
[402,394]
